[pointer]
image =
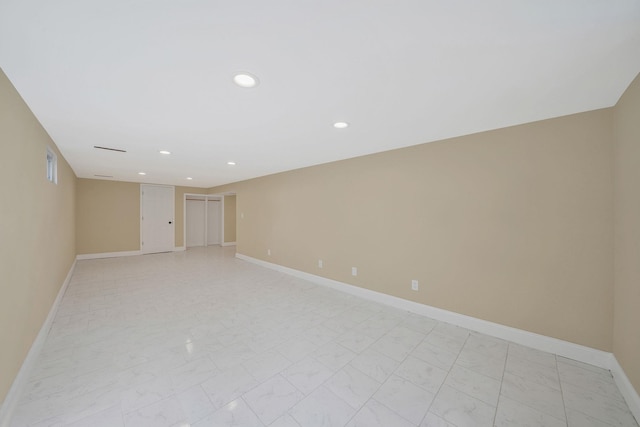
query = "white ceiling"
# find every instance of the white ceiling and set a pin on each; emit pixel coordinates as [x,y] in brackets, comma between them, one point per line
[157,75]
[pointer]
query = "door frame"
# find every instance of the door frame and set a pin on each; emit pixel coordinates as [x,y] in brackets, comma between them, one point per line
[222,196]
[173,216]
[206,198]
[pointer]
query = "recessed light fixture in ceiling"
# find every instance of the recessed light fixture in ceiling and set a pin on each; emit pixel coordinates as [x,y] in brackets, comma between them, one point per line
[231,163]
[165,152]
[189,178]
[142,173]
[340,125]
[244,79]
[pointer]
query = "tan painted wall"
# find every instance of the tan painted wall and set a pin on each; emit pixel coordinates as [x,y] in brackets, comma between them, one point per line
[230,219]
[37,240]
[626,331]
[107,216]
[179,215]
[513,226]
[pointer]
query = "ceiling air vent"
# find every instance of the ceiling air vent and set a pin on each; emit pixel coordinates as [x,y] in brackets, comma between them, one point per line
[109,149]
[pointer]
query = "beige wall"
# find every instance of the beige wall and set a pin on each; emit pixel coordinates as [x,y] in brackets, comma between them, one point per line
[230,218]
[513,226]
[626,331]
[179,215]
[107,216]
[37,237]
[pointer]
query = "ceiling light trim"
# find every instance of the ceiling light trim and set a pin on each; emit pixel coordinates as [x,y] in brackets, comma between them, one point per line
[245,79]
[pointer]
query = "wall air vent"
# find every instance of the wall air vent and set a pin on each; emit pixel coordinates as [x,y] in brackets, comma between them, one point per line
[104,176]
[109,149]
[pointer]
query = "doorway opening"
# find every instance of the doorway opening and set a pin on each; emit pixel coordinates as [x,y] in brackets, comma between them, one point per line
[203,220]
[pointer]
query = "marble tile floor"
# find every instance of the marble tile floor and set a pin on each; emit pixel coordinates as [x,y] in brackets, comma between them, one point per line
[200,338]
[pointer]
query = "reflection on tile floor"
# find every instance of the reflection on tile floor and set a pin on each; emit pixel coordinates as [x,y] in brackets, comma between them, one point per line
[199,338]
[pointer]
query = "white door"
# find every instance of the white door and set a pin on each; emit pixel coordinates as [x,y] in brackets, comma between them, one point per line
[213,222]
[195,222]
[157,204]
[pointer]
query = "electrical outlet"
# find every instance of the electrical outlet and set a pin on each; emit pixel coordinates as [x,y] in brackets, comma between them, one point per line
[241,215]
[354,271]
[319,263]
[414,285]
[269,252]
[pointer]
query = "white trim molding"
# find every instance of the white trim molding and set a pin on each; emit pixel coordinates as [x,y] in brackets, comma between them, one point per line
[108,255]
[15,392]
[179,249]
[228,244]
[626,388]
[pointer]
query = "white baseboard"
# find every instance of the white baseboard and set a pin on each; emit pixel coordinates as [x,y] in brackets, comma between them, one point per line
[556,346]
[108,255]
[179,249]
[17,387]
[552,345]
[228,244]
[626,388]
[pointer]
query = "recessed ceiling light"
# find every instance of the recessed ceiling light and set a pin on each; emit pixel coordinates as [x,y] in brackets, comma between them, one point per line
[340,125]
[231,163]
[189,178]
[165,152]
[141,173]
[245,79]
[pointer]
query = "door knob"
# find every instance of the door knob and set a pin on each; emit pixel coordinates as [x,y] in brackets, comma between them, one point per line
[170,222]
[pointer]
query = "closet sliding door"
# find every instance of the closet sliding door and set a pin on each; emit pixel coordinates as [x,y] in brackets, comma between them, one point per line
[195,222]
[214,217]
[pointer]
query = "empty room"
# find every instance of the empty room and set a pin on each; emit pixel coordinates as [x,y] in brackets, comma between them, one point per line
[320,214]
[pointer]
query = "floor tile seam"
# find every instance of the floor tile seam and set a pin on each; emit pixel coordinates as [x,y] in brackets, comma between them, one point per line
[306,396]
[387,407]
[598,418]
[533,380]
[96,413]
[480,373]
[370,397]
[566,421]
[43,420]
[564,404]
[521,358]
[356,410]
[250,408]
[600,376]
[618,398]
[395,372]
[139,408]
[489,356]
[536,363]
[504,368]
[435,396]
[538,409]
